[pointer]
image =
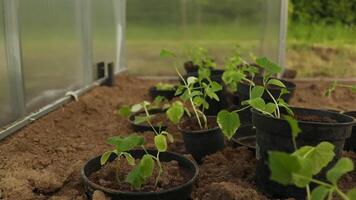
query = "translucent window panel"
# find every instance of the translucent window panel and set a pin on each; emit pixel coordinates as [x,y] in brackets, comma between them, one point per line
[6,115]
[51,49]
[180,24]
[104,30]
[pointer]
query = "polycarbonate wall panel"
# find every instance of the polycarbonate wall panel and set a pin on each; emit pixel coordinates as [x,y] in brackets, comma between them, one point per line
[6,115]
[104,30]
[181,24]
[51,49]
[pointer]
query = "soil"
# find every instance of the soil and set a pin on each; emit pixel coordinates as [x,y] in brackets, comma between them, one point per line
[44,159]
[172,176]
[191,124]
[315,118]
[157,119]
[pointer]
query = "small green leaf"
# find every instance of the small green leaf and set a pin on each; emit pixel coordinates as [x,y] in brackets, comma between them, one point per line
[124,144]
[129,158]
[293,123]
[212,94]
[276,82]
[140,174]
[215,86]
[169,136]
[343,166]
[283,104]
[191,80]
[175,112]
[270,108]
[203,73]
[304,171]
[105,157]
[257,103]
[125,111]
[166,53]
[136,107]
[179,90]
[320,156]
[196,93]
[257,92]
[228,123]
[282,166]
[141,119]
[320,193]
[161,143]
[269,66]
[352,194]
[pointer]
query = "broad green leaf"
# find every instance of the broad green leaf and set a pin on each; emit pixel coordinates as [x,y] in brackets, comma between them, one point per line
[257,92]
[270,108]
[320,193]
[352,194]
[305,171]
[268,65]
[140,174]
[191,80]
[166,53]
[293,123]
[320,156]
[257,103]
[136,107]
[175,112]
[276,82]
[343,166]
[161,143]
[105,157]
[125,111]
[282,166]
[228,123]
[129,158]
[124,144]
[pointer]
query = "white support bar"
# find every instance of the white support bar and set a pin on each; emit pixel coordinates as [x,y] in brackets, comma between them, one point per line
[120,19]
[283,33]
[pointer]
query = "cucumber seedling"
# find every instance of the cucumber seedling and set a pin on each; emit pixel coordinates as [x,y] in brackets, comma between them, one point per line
[336,84]
[229,122]
[299,167]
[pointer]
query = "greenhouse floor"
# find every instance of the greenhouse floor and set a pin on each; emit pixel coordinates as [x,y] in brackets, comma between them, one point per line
[44,159]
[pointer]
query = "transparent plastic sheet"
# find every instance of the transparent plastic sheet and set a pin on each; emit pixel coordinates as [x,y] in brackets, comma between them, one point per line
[51,50]
[177,25]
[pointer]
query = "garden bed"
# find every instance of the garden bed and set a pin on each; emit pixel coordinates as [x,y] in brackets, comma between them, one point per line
[44,159]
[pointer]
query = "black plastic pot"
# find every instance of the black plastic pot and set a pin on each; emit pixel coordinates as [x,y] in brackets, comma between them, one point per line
[243,91]
[245,137]
[275,135]
[350,143]
[143,126]
[181,192]
[202,142]
[168,94]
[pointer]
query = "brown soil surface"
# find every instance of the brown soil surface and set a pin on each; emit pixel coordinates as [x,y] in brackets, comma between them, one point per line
[191,124]
[172,176]
[157,119]
[314,118]
[44,159]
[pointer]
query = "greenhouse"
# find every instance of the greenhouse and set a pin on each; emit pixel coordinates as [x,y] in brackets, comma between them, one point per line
[177,100]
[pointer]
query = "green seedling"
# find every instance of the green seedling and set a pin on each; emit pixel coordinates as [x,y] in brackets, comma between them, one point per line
[194,90]
[229,121]
[200,57]
[299,167]
[335,85]
[164,86]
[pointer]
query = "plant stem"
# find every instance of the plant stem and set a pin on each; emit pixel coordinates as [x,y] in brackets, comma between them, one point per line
[275,102]
[308,192]
[148,119]
[239,110]
[160,169]
[341,194]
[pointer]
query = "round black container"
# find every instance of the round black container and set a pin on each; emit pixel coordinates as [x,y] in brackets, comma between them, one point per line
[275,135]
[245,137]
[243,91]
[168,94]
[144,126]
[203,142]
[350,143]
[181,192]
[190,67]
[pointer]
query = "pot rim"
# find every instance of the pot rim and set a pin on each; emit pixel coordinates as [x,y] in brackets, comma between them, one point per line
[351,122]
[129,193]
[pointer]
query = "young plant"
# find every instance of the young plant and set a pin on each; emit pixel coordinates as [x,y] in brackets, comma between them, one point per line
[229,121]
[164,86]
[194,90]
[336,84]
[299,167]
[200,57]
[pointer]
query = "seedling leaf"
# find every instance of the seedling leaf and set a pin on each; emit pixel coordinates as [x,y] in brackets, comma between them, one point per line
[129,158]
[228,123]
[293,123]
[343,166]
[257,92]
[268,65]
[105,157]
[276,82]
[191,80]
[136,107]
[175,112]
[319,193]
[282,166]
[161,143]
[126,143]
[125,111]
[139,175]
[352,194]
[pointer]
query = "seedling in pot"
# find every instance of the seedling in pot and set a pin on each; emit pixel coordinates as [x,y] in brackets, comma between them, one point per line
[164,86]
[199,59]
[229,122]
[336,84]
[299,167]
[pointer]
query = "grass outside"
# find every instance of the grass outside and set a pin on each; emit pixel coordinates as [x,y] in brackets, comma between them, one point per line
[314,51]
